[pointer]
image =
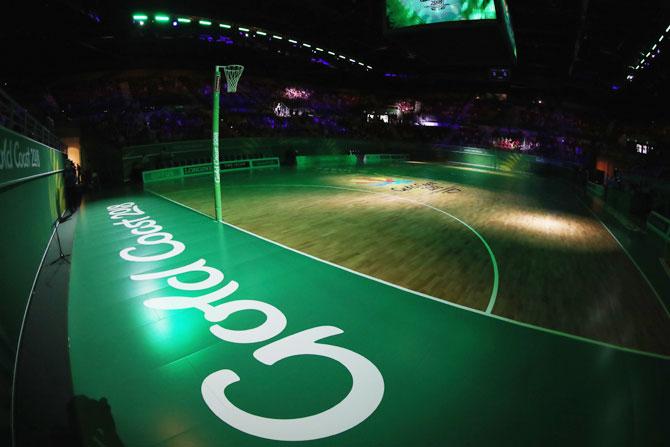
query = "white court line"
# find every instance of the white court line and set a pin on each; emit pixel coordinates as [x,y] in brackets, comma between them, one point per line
[651,286]
[23,324]
[494,263]
[429,297]
[665,266]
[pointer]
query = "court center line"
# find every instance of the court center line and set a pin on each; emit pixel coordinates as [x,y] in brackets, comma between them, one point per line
[426,296]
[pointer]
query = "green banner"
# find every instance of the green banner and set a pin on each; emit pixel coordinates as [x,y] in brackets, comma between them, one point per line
[266,162]
[163,174]
[497,159]
[384,158]
[206,168]
[151,156]
[31,199]
[313,161]
[21,157]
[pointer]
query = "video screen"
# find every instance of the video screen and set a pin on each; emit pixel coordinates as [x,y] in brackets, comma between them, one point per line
[406,13]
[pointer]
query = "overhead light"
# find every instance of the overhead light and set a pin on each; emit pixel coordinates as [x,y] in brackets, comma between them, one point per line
[224,25]
[352,60]
[140,17]
[246,30]
[293,41]
[274,36]
[342,57]
[331,53]
[654,47]
[319,49]
[162,18]
[261,33]
[183,20]
[667,30]
[306,45]
[361,64]
[205,22]
[368,67]
[660,39]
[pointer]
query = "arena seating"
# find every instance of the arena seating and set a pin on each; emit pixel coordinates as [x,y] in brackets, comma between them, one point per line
[132,108]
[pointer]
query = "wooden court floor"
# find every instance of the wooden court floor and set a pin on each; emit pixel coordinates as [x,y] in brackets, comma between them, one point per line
[519,246]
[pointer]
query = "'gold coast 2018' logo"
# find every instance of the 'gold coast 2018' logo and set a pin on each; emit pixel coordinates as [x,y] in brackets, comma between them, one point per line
[402,185]
[367,388]
[381,181]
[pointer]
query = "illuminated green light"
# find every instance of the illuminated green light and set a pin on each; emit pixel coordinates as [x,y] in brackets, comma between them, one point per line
[224,25]
[261,33]
[205,22]
[140,17]
[246,30]
[319,49]
[490,11]
[306,45]
[183,20]
[162,18]
[274,36]
[331,53]
[293,41]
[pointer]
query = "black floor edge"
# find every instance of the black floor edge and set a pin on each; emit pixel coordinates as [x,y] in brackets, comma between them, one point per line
[43,392]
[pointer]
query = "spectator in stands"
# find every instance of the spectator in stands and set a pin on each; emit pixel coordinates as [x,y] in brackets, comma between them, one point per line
[72,195]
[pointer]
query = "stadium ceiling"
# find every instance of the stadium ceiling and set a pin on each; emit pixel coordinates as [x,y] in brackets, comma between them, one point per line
[584,43]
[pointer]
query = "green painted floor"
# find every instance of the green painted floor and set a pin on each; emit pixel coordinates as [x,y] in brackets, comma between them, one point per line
[450,376]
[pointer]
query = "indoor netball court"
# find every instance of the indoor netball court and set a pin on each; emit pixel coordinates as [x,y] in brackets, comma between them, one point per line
[468,293]
[386,223]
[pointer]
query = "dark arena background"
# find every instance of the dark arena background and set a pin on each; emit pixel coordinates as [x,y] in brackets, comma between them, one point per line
[335,223]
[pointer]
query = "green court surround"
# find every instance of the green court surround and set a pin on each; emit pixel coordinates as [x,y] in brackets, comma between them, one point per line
[452,376]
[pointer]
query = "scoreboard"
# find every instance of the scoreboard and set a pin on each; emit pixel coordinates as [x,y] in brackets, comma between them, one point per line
[406,13]
[456,32]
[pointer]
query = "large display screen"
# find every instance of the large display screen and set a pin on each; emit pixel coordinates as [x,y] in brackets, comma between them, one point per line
[406,13]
